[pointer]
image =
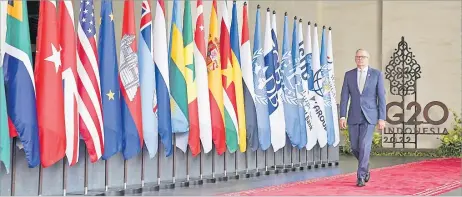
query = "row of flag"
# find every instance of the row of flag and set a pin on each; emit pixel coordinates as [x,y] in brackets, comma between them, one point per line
[187,92]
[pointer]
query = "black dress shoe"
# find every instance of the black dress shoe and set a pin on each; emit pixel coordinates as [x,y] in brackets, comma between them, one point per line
[368,176]
[360,183]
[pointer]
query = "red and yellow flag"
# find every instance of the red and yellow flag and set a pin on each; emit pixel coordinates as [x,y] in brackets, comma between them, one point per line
[229,98]
[214,77]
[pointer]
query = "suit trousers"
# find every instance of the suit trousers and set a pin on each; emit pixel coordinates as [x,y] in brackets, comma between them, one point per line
[361,141]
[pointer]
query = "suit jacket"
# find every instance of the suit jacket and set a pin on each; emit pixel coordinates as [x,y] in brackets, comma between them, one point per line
[371,101]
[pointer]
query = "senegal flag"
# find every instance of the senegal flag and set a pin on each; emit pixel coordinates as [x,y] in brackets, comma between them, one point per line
[194,139]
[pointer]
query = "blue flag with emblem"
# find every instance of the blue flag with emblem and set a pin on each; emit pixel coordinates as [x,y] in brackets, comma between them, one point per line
[273,86]
[259,81]
[302,86]
[110,89]
[289,87]
[326,86]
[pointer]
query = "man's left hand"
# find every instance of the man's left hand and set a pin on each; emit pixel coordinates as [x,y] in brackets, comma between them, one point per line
[381,124]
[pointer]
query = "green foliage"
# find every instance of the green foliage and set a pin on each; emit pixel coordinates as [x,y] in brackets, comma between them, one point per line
[402,153]
[451,144]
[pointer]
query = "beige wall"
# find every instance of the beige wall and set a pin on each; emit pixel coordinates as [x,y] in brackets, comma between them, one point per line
[431,28]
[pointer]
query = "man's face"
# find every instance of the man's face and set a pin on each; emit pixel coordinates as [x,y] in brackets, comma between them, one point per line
[362,58]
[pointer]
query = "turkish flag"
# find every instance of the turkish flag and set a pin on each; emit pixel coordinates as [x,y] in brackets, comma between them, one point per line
[49,87]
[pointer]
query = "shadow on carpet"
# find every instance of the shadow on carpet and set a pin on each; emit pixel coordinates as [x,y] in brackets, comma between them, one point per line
[423,178]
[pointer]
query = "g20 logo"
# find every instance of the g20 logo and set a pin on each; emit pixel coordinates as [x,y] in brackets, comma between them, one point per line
[398,118]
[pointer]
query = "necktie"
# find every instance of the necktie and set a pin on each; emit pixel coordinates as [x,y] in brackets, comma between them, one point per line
[361,81]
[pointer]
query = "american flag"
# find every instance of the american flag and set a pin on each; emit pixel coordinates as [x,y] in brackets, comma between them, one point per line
[90,120]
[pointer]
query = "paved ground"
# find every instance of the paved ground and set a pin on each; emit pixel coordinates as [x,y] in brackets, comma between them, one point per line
[347,165]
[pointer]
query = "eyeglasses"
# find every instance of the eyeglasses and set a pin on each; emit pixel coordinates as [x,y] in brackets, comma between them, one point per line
[361,57]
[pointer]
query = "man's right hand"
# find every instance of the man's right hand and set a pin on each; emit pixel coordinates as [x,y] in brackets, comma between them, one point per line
[343,123]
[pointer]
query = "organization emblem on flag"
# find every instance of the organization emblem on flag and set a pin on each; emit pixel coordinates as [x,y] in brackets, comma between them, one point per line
[128,66]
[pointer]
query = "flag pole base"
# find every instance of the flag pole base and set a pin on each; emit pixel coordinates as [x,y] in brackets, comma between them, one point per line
[247,175]
[112,192]
[285,170]
[308,167]
[257,174]
[135,189]
[170,186]
[301,168]
[267,172]
[316,166]
[184,184]
[329,164]
[196,182]
[225,178]
[237,177]
[323,165]
[277,171]
[211,180]
[336,163]
[152,188]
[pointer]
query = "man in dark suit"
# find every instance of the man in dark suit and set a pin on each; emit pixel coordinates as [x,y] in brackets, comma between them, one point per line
[364,87]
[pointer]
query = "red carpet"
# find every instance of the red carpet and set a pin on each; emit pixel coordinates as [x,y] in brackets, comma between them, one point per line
[423,178]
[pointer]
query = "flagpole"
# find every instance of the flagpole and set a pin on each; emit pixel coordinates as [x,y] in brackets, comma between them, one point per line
[284,160]
[13,168]
[274,161]
[266,159]
[291,158]
[320,156]
[314,160]
[85,183]
[187,167]
[257,173]
[142,167]
[106,175]
[40,180]
[158,165]
[200,167]
[125,174]
[300,159]
[173,166]
[315,163]
[64,176]
[246,163]
[306,158]
[224,166]
[213,165]
[235,165]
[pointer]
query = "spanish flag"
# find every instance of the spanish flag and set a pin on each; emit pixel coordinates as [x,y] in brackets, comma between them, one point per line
[214,80]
